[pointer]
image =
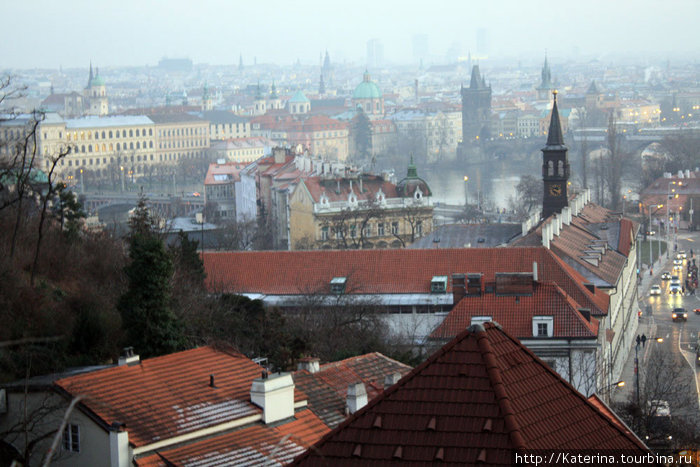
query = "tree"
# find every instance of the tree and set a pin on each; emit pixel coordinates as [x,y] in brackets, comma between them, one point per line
[614,165]
[528,196]
[150,325]
[68,209]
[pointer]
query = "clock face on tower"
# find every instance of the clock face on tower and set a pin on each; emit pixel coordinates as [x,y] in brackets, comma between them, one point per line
[555,189]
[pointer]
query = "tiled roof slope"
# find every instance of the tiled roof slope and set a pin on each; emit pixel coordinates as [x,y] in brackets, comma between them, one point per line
[168,396]
[327,388]
[340,189]
[251,446]
[515,314]
[385,271]
[476,400]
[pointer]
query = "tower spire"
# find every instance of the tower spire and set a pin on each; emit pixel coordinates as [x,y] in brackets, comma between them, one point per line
[554,136]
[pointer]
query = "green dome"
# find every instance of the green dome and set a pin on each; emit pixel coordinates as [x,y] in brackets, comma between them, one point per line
[299,98]
[97,81]
[367,89]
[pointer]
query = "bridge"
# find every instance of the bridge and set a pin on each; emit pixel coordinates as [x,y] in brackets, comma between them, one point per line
[165,206]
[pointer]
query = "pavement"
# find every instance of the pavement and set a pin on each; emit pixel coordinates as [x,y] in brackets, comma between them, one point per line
[646,327]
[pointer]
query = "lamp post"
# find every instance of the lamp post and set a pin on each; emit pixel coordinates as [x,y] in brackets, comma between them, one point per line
[651,262]
[82,184]
[121,172]
[605,390]
[466,191]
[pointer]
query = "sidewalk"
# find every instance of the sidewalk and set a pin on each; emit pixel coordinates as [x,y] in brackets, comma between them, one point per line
[644,328]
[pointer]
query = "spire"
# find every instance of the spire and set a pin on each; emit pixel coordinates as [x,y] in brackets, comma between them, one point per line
[240,61]
[327,62]
[475,82]
[258,93]
[273,93]
[554,137]
[546,74]
[321,86]
[412,171]
[365,77]
[91,75]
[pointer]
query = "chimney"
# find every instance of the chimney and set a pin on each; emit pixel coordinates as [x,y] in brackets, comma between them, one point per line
[357,397]
[534,271]
[687,173]
[310,364]
[279,155]
[361,190]
[459,288]
[391,379]
[546,235]
[128,357]
[275,395]
[211,381]
[555,225]
[566,215]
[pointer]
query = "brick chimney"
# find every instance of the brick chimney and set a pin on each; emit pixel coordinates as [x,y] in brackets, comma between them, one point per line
[275,395]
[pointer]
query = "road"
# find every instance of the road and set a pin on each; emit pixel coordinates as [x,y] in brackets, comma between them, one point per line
[679,336]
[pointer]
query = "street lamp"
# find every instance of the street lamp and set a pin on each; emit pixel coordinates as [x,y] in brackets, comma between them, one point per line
[649,206]
[466,191]
[121,168]
[82,185]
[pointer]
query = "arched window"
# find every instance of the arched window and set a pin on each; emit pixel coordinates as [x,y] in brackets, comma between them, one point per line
[150,132]
[110,134]
[103,135]
[89,147]
[550,168]
[82,149]
[131,145]
[131,133]
[138,145]
[560,170]
[104,147]
[150,144]
[118,147]
[117,133]
[137,132]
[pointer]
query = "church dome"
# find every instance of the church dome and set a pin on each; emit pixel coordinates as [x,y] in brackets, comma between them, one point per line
[97,81]
[299,98]
[412,184]
[367,89]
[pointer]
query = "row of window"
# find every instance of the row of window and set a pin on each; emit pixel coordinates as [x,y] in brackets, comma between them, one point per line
[105,134]
[542,326]
[181,144]
[367,232]
[119,147]
[182,132]
[97,161]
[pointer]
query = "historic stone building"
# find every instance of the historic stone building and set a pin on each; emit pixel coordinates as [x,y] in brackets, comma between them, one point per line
[368,96]
[555,168]
[546,86]
[476,108]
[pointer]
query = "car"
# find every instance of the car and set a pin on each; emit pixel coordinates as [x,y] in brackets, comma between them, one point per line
[678,267]
[697,311]
[678,262]
[665,276]
[675,278]
[655,290]
[675,289]
[651,233]
[682,254]
[679,314]
[675,281]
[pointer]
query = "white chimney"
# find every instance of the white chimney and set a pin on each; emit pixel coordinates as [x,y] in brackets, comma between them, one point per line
[534,271]
[555,224]
[357,397]
[275,395]
[310,364]
[391,379]
[687,173]
[128,357]
[546,228]
[566,215]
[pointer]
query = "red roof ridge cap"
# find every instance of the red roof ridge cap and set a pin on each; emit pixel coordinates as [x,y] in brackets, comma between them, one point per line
[494,373]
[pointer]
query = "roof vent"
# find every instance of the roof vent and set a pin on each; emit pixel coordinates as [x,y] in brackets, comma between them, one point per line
[488,425]
[482,456]
[338,285]
[432,423]
[357,452]
[211,381]
[398,453]
[440,454]
[128,357]
[586,313]
[377,422]
[589,286]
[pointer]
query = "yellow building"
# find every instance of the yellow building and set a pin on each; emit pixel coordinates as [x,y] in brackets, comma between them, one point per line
[363,211]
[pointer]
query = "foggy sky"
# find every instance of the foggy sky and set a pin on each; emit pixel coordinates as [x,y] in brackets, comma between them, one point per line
[70,33]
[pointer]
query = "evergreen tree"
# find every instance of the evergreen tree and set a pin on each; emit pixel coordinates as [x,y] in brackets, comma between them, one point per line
[189,268]
[150,325]
[69,210]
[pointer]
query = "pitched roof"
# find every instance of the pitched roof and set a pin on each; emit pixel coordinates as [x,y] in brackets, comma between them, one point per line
[219,174]
[515,314]
[327,388]
[386,271]
[339,189]
[168,396]
[474,401]
[255,445]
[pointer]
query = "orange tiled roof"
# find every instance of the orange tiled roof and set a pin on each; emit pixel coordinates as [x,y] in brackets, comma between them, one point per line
[371,184]
[167,396]
[255,445]
[386,271]
[231,171]
[473,401]
[515,315]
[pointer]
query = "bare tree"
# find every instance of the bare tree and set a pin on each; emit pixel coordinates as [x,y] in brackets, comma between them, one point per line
[348,228]
[615,163]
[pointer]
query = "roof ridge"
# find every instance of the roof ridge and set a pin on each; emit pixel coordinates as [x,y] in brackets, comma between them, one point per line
[494,373]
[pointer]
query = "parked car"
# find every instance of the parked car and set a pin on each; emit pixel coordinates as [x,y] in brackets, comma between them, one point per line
[655,290]
[679,314]
[665,276]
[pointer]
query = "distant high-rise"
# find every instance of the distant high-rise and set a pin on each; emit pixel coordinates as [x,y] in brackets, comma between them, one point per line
[375,53]
[476,108]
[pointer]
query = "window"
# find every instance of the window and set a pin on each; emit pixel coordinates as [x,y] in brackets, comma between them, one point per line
[324,233]
[353,230]
[338,285]
[394,228]
[71,438]
[438,284]
[480,319]
[419,228]
[367,231]
[543,326]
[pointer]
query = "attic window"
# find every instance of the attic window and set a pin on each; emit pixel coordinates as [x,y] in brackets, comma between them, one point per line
[221,177]
[338,285]
[481,319]
[438,284]
[542,326]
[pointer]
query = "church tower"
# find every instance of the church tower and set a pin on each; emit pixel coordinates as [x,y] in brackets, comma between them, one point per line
[96,94]
[546,86]
[555,167]
[476,108]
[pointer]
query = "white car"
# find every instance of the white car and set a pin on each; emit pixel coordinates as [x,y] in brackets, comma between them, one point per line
[678,262]
[675,289]
[681,255]
[655,290]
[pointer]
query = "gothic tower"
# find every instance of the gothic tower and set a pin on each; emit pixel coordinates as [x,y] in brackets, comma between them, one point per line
[546,86]
[476,108]
[555,167]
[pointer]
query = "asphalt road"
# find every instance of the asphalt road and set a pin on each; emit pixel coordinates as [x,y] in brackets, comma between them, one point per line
[680,337]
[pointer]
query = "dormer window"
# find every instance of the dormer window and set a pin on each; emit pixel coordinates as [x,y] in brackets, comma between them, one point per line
[418,194]
[481,319]
[338,285]
[438,284]
[324,199]
[352,198]
[381,197]
[542,326]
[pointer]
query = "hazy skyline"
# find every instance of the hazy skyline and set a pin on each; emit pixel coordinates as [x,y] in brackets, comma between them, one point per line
[70,33]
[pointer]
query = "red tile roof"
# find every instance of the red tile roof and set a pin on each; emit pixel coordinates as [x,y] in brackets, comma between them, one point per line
[327,388]
[385,271]
[515,314]
[255,445]
[167,396]
[371,184]
[474,401]
[219,174]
